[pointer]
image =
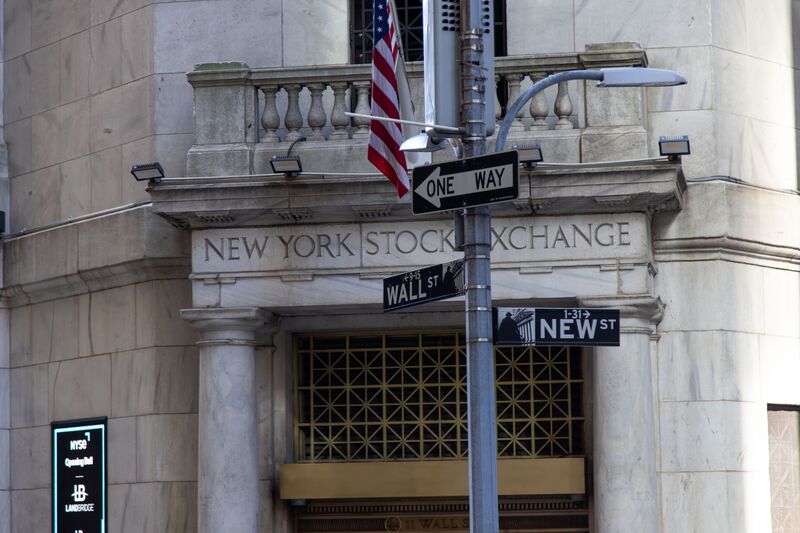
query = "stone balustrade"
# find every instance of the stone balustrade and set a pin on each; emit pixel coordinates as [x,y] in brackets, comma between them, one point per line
[244,115]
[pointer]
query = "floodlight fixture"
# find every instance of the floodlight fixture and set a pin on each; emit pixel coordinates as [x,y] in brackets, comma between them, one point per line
[287,164]
[151,172]
[529,154]
[674,147]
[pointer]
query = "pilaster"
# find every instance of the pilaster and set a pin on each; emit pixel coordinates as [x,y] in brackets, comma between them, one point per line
[228,487]
[625,468]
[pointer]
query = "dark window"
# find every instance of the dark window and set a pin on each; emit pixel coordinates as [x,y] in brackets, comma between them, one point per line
[409,17]
[403,397]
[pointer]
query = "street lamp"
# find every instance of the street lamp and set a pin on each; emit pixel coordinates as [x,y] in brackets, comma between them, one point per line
[607,77]
[477,264]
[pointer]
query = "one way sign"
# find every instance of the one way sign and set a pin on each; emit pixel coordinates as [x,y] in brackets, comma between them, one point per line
[466,183]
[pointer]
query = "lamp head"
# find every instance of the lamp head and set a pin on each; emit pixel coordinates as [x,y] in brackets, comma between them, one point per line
[674,147]
[422,142]
[529,154]
[640,77]
[151,172]
[286,164]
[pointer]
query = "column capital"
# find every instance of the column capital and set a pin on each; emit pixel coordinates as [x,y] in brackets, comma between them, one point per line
[227,325]
[636,312]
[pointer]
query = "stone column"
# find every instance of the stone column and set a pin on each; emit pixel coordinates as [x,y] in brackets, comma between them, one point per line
[624,444]
[228,496]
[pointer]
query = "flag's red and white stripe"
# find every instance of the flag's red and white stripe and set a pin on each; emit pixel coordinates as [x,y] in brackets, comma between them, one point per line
[385,137]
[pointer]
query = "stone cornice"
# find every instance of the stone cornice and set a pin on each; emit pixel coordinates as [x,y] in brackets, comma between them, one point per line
[116,249]
[613,55]
[320,198]
[97,279]
[727,221]
[726,248]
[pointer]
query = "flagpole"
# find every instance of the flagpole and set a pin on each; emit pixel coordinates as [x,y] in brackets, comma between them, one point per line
[435,127]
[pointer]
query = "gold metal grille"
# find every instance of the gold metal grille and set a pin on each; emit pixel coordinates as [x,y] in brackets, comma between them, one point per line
[403,397]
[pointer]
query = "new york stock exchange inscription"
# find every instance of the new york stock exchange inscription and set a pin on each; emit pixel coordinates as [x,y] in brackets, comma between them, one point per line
[412,243]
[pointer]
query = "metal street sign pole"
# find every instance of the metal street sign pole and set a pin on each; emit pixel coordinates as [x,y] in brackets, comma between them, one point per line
[482,430]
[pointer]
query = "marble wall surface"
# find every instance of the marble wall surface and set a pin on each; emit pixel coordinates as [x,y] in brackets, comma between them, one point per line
[123,353]
[102,338]
[741,59]
[729,337]
[95,87]
[91,87]
[112,74]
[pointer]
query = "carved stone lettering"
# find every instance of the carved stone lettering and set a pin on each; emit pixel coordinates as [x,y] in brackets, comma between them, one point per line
[518,240]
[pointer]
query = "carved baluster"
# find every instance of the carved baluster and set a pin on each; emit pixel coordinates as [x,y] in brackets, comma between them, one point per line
[563,107]
[339,120]
[538,107]
[514,81]
[270,120]
[293,119]
[316,113]
[363,107]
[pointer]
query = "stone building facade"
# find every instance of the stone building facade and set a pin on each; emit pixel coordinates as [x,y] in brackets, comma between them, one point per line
[227,320]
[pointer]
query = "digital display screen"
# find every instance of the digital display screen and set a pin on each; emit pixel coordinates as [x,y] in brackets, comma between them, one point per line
[79,476]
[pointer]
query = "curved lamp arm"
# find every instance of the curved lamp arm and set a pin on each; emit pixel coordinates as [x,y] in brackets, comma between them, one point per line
[608,77]
[537,87]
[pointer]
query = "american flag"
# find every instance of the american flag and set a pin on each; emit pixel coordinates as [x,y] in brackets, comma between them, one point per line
[387,72]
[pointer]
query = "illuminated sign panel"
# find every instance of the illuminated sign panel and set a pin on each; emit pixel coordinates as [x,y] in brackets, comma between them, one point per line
[79,476]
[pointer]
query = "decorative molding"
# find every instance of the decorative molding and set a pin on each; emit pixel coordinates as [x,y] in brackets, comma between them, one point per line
[567,513]
[726,248]
[619,54]
[97,279]
[372,211]
[293,214]
[614,200]
[179,222]
[523,204]
[218,217]
[454,505]
[227,325]
[298,276]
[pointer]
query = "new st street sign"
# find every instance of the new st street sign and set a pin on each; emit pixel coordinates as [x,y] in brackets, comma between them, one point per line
[548,326]
[466,183]
[424,285]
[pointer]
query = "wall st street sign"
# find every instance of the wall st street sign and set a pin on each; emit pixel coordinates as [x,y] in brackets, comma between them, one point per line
[79,476]
[424,285]
[466,183]
[548,326]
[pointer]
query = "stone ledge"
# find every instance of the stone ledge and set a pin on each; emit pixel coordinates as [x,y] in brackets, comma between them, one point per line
[323,198]
[607,189]
[108,251]
[720,215]
[97,279]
